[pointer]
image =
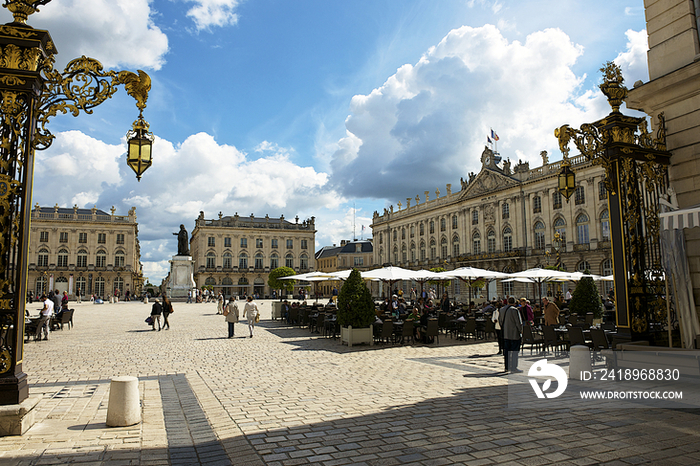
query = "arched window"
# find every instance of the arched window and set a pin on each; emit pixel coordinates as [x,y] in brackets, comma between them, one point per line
[432,227]
[403,233]
[491,241]
[381,255]
[259,260]
[211,260]
[454,222]
[507,239]
[381,238]
[289,261]
[475,217]
[443,224]
[476,243]
[583,266]
[443,247]
[100,261]
[396,255]
[433,249]
[413,252]
[422,250]
[422,229]
[100,286]
[119,259]
[560,227]
[118,285]
[582,229]
[210,281]
[304,262]
[539,235]
[228,260]
[227,281]
[455,246]
[274,261]
[82,260]
[413,231]
[506,210]
[62,258]
[243,261]
[394,235]
[605,225]
[43,258]
[404,253]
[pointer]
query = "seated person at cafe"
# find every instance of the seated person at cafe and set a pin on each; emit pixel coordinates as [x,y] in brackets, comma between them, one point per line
[422,331]
[526,313]
[394,306]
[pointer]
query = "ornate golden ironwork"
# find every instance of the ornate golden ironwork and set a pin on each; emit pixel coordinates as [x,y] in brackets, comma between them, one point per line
[21,9]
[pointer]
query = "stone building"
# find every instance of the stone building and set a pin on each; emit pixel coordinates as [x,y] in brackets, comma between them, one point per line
[86,249]
[501,219]
[674,90]
[236,254]
[357,254]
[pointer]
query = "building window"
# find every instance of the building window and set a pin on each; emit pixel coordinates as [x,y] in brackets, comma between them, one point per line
[443,248]
[120,238]
[506,210]
[607,269]
[211,242]
[359,262]
[80,284]
[583,267]
[422,229]
[258,243]
[381,238]
[413,252]
[40,286]
[394,235]
[433,249]
[119,259]
[560,227]
[507,240]
[422,250]
[476,243]
[491,242]
[605,225]
[118,284]
[259,260]
[101,259]
[539,235]
[582,229]
[82,259]
[44,236]
[228,260]
[100,286]
[454,222]
[227,242]
[404,254]
[536,204]
[432,227]
[475,217]
[508,288]
[455,246]
[273,244]
[602,192]
[82,238]
[413,231]
[211,260]
[303,262]
[556,200]
[102,238]
[243,261]
[580,195]
[244,242]
[274,261]
[304,244]
[443,224]
[290,244]
[289,261]
[62,258]
[63,237]
[396,256]
[403,233]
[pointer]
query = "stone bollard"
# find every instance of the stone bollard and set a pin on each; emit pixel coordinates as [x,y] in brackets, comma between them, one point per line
[124,408]
[579,360]
[145,299]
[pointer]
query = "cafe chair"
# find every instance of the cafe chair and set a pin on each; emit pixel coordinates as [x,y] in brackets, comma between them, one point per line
[529,338]
[489,328]
[470,328]
[431,331]
[407,332]
[600,341]
[387,331]
[576,337]
[551,340]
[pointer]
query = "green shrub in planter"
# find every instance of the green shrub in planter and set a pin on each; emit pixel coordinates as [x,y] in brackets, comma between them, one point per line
[355,304]
[586,299]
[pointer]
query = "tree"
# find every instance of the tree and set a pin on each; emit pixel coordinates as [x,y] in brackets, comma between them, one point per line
[586,298]
[355,303]
[275,283]
[441,283]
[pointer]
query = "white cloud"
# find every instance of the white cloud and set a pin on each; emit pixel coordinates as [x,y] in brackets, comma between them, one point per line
[633,61]
[116,32]
[208,13]
[332,228]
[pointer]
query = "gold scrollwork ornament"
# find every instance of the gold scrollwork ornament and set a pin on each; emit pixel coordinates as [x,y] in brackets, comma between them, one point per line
[5,361]
[639,324]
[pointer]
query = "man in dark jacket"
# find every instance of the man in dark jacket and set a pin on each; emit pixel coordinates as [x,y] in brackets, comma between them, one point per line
[156,311]
[512,328]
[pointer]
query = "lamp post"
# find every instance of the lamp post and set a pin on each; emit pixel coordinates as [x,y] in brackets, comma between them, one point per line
[31,93]
[635,178]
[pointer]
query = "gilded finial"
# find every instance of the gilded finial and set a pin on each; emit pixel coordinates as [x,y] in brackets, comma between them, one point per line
[612,85]
[21,9]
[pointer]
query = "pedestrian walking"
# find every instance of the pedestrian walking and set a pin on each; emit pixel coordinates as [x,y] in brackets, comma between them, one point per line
[512,326]
[251,313]
[220,304]
[156,311]
[78,295]
[499,331]
[167,310]
[231,315]
[45,320]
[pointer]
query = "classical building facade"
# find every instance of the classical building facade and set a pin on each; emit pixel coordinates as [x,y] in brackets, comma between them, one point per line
[86,249]
[501,219]
[674,90]
[236,254]
[357,254]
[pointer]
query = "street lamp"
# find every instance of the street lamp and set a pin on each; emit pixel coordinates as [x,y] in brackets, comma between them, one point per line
[566,179]
[31,93]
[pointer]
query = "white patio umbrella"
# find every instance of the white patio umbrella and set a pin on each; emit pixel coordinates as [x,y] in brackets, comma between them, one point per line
[390,275]
[471,274]
[540,276]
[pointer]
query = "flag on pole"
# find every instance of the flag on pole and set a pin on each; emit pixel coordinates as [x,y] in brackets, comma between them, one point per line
[489,140]
[494,136]
[363,228]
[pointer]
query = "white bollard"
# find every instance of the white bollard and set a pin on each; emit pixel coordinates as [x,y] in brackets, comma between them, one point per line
[579,361]
[124,408]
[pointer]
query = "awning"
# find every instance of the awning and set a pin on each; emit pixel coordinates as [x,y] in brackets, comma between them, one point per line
[679,219]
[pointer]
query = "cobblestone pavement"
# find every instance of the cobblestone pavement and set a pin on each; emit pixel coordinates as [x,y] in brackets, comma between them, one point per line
[288,397]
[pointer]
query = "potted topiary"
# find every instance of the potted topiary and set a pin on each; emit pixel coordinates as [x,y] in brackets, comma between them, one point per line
[355,311]
[586,298]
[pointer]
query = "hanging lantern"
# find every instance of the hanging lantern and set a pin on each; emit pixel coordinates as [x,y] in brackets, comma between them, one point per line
[139,156]
[567,180]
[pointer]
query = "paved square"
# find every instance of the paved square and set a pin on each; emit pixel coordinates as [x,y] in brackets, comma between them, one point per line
[288,397]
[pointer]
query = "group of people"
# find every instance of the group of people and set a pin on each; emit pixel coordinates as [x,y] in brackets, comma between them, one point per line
[250,312]
[54,305]
[159,309]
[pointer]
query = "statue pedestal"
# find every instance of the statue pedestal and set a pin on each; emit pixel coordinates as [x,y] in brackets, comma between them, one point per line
[181,276]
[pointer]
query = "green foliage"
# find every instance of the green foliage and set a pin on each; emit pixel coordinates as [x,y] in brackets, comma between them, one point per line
[586,298]
[355,304]
[438,282]
[276,284]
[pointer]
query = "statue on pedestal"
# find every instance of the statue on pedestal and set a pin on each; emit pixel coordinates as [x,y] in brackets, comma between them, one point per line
[183,247]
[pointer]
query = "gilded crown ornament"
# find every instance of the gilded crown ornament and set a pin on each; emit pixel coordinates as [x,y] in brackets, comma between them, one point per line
[21,9]
[612,85]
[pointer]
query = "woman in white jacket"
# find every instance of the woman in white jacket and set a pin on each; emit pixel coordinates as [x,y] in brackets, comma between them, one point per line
[250,312]
[231,315]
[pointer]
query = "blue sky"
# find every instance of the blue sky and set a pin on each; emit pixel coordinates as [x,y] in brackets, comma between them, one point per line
[306,107]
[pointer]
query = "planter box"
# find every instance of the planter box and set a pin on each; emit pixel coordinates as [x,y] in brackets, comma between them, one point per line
[353,336]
